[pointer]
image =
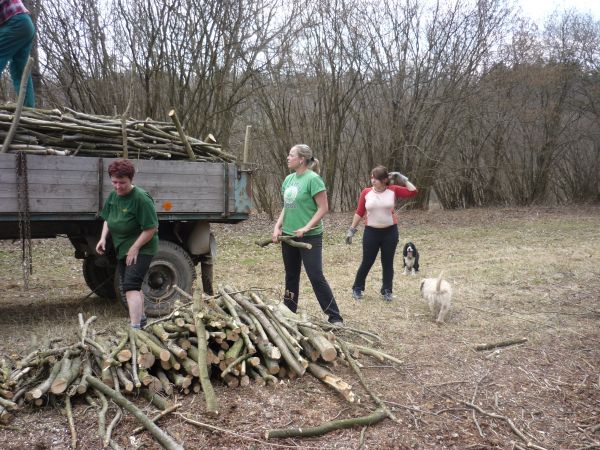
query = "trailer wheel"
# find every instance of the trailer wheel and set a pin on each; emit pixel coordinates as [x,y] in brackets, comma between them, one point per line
[170,266]
[99,278]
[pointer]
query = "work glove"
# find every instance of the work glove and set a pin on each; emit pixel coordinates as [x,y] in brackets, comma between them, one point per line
[351,232]
[397,178]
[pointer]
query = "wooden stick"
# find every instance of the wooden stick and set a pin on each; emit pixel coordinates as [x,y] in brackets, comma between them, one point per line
[184,139]
[276,338]
[159,416]
[7,404]
[68,373]
[375,353]
[161,436]
[509,422]
[289,240]
[212,406]
[111,427]
[69,411]
[356,369]
[332,380]
[133,348]
[505,343]
[43,387]
[20,100]
[371,419]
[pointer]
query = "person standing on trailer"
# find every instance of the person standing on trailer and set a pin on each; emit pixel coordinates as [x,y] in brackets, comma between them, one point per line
[16,37]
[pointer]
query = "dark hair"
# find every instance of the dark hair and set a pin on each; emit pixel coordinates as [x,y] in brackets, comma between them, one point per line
[380,173]
[121,168]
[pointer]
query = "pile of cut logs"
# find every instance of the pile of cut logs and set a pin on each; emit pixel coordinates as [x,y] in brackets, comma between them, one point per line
[68,132]
[235,337]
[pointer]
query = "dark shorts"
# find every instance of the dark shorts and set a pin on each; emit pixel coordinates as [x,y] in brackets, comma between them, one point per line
[132,276]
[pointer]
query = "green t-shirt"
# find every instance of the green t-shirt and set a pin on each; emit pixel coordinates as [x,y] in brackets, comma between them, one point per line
[298,202]
[127,216]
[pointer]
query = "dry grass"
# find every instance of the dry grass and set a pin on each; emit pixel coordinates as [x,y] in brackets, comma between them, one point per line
[515,272]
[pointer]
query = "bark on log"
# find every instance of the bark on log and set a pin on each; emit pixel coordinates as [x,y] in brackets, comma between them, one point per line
[374,353]
[68,373]
[505,343]
[145,359]
[133,348]
[332,380]
[356,369]
[69,411]
[289,240]
[87,370]
[7,404]
[120,346]
[157,350]
[184,139]
[161,436]
[157,400]
[5,416]
[230,304]
[167,386]
[43,387]
[159,416]
[376,417]
[275,337]
[126,382]
[212,406]
[323,345]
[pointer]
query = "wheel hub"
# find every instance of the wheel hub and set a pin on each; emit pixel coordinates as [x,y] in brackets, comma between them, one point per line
[162,275]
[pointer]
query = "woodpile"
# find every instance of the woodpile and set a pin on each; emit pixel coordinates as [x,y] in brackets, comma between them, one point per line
[233,338]
[72,133]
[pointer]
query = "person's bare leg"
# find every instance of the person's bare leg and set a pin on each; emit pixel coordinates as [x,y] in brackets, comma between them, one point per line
[135,302]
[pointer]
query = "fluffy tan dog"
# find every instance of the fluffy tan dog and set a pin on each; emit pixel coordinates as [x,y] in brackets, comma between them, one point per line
[438,294]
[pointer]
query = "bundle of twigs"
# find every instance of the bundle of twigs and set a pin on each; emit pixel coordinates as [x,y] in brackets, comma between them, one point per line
[234,337]
[68,132]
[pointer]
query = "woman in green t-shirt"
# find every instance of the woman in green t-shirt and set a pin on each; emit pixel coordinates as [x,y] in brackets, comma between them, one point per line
[130,218]
[304,205]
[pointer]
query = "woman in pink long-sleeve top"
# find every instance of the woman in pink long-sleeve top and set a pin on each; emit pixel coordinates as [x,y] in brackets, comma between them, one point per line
[376,206]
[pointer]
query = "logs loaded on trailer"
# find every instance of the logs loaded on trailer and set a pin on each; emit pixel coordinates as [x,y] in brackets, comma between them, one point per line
[232,338]
[73,133]
[54,172]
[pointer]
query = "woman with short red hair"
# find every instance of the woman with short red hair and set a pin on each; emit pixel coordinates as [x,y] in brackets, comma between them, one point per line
[130,218]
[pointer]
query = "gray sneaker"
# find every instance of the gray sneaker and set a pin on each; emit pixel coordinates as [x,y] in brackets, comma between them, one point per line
[387,295]
[357,294]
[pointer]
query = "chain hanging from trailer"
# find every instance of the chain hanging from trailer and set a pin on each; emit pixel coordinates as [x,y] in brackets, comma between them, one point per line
[24,217]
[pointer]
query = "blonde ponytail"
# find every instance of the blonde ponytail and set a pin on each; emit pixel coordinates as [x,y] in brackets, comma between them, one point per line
[305,152]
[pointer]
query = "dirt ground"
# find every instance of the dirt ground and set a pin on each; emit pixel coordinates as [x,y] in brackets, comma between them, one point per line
[531,273]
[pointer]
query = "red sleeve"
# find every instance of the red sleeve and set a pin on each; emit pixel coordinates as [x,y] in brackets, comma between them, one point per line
[402,192]
[361,208]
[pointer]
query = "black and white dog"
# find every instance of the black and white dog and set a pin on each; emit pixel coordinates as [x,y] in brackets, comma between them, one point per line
[411,259]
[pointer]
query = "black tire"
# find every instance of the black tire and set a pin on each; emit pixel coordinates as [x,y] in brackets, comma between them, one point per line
[170,266]
[99,278]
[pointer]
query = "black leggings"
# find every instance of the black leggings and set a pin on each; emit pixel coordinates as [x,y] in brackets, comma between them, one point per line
[374,240]
[293,258]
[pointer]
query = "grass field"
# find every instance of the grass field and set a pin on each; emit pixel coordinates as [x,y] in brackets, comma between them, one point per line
[531,273]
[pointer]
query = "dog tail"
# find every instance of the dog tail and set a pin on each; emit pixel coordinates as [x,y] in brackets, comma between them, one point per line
[439,282]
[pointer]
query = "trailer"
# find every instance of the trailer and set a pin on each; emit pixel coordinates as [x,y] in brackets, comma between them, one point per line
[44,197]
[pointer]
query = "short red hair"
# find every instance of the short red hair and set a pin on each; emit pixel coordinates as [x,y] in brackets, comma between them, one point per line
[121,168]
